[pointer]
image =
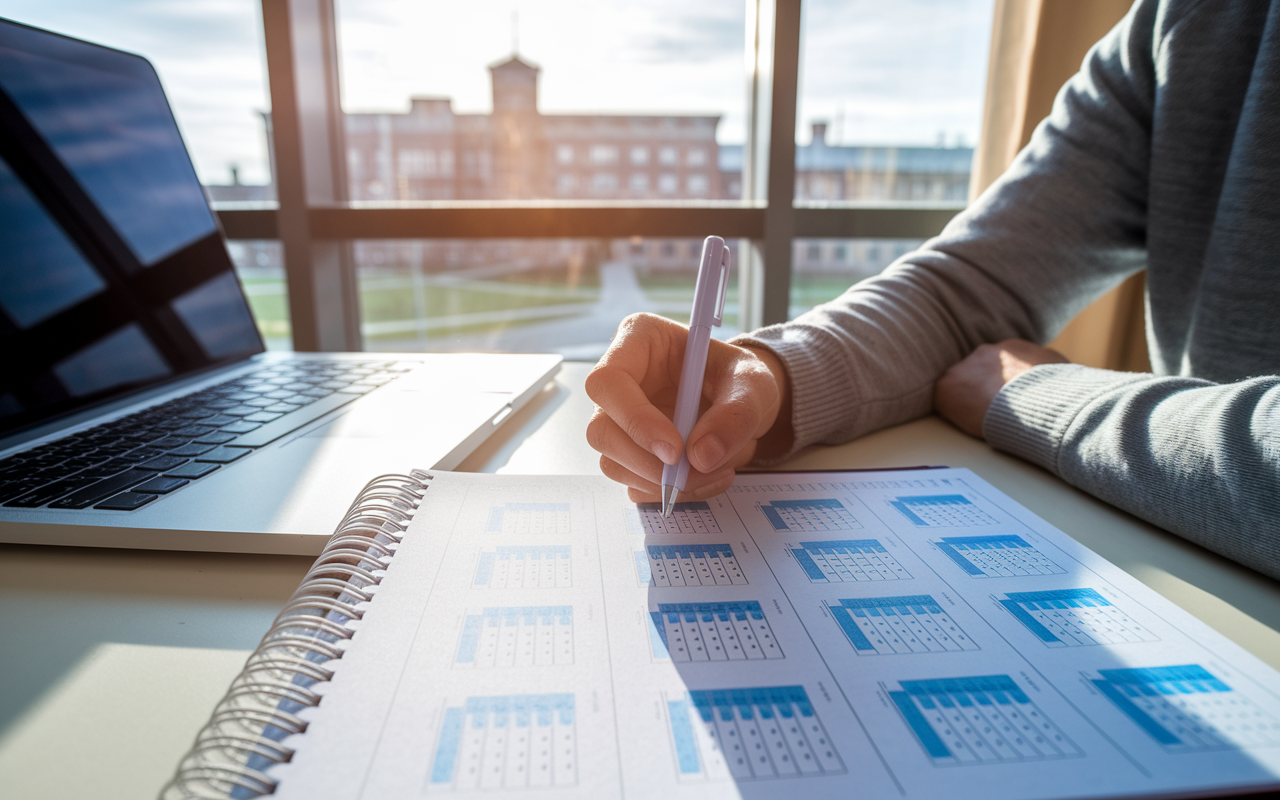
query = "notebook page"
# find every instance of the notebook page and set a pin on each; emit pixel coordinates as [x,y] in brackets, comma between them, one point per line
[899,634]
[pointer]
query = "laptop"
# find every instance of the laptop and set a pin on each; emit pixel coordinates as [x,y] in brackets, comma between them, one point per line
[138,407]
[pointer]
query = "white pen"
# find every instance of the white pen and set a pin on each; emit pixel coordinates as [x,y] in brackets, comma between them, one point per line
[708,313]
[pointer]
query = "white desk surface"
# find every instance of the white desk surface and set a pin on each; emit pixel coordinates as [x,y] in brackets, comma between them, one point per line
[111,660]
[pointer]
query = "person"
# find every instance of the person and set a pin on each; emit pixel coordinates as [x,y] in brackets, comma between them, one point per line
[1162,153]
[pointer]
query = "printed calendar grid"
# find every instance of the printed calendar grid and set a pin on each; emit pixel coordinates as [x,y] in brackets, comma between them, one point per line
[1074,618]
[688,565]
[847,560]
[941,511]
[809,516]
[732,631]
[899,625]
[749,734]
[1188,709]
[524,567]
[978,720]
[516,636]
[529,519]
[1007,556]
[506,742]
[686,518]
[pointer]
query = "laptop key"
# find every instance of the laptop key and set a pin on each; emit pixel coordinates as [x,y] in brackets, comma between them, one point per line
[50,491]
[259,402]
[239,427]
[162,485]
[217,437]
[192,470]
[225,455]
[102,489]
[265,416]
[291,422]
[191,450]
[218,420]
[240,411]
[191,432]
[162,463]
[126,502]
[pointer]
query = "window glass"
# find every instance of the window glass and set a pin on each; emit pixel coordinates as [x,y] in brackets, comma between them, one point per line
[890,100]
[821,269]
[211,62]
[534,108]
[556,295]
[260,267]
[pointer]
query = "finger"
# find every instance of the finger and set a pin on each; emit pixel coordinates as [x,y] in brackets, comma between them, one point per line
[620,474]
[714,485]
[744,402]
[638,359]
[607,438]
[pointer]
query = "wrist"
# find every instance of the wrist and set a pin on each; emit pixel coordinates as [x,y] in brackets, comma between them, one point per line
[778,438]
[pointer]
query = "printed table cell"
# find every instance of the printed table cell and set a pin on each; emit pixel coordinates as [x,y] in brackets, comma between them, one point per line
[848,560]
[809,516]
[688,565]
[520,519]
[749,734]
[942,511]
[735,631]
[1187,709]
[896,625]
[1074,618]
[997,556]
[978,720]
[524,567]
[517,636]
[506,742]
[686,518]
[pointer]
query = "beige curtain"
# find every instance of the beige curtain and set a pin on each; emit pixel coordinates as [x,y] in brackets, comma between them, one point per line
[1036,45]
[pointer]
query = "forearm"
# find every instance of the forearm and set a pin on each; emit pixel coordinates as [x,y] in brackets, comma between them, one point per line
[1199,459]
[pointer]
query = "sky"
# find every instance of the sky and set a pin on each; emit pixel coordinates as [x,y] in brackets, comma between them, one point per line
[900,72]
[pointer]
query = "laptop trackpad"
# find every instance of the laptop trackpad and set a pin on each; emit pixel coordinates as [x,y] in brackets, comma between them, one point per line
[414,416]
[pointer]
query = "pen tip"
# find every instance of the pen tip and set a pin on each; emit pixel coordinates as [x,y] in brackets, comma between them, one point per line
[669,494]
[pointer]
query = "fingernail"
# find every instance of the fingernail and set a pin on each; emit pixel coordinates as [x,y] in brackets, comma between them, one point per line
[666,452]
[709,451]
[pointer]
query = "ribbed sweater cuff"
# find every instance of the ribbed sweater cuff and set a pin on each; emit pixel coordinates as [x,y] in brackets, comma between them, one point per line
[1031,415]
[809,361]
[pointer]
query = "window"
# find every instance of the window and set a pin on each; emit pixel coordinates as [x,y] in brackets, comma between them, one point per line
[603,154]
[564,154]
[639,156]
[668,184]
[696,157]
[417,163]
[566,183]
[604,182]
[698,185]
[668,156]
[639,183]
[824,269]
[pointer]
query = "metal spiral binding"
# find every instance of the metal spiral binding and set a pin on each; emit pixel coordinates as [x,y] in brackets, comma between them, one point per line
[245,735]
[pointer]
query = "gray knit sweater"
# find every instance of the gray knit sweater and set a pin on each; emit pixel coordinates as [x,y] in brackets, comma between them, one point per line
[1162,153]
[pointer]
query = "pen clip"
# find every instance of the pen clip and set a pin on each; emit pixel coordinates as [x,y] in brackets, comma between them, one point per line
[723,289]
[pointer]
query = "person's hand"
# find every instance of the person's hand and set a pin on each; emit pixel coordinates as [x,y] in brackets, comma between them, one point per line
[634,388]
[964,393]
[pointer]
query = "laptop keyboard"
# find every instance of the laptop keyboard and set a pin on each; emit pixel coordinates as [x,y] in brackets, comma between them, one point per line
[129,462]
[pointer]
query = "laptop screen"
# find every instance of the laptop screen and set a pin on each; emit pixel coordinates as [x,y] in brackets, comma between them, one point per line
[113,273]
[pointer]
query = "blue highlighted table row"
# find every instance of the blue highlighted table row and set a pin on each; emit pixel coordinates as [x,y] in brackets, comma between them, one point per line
[507,741]
[732,631]
[750,733]
[941,511]
[898,625]
[809,516]
[997,556]
[525,567]
[847,560]
[517,636]
[1074,618]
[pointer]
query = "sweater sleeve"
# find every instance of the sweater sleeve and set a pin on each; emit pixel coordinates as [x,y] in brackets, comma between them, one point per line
[1061,227]
[1197,458]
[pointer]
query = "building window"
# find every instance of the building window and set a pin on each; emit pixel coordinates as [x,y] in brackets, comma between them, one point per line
[696,157]
[604,182]
[667,156]
[564,154]
[603,154]
[639,156]
[668,184]
[639,183]
[814,253]
[417,163]
[840,253]
[446,163]
[698,185]
[668,249]
[566,183]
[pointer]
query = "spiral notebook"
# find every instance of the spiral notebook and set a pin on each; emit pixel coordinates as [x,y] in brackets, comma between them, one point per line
[895,634]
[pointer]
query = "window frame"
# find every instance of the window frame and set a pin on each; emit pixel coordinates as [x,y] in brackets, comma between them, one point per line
[317,225]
